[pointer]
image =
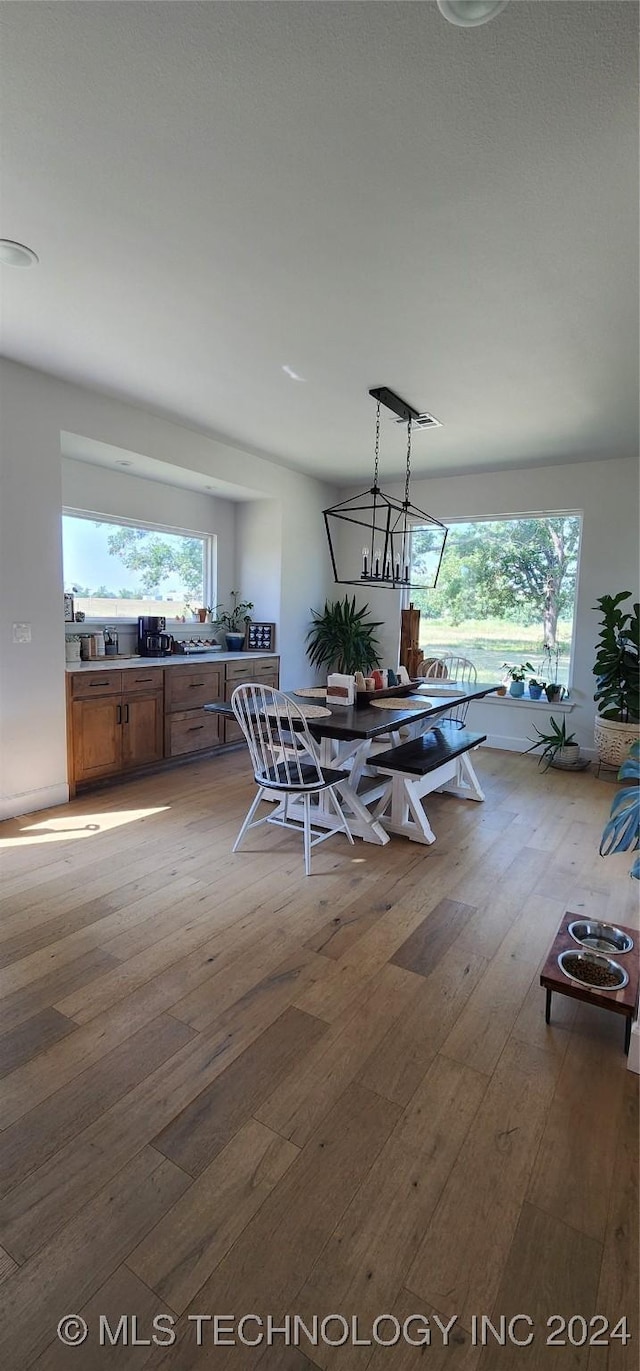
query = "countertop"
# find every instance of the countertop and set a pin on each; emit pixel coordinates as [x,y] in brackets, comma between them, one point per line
[179,659]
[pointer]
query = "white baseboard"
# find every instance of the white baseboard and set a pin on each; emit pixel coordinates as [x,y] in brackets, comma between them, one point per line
[504,743]
[633,1060]
[14,806]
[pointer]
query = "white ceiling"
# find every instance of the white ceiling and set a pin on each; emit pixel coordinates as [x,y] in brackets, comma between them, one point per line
[360,192]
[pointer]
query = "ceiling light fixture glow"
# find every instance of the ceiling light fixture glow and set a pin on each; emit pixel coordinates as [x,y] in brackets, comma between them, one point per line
[468,14]
[292,374]
[16,254]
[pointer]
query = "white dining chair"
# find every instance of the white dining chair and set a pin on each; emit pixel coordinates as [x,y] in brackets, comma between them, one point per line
[285,763]
[457,670]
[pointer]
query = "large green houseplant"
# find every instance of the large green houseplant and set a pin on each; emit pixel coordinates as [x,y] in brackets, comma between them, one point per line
[617,673]
[622,831]
[343,638]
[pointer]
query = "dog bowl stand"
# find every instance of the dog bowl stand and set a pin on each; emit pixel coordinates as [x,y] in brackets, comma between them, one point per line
[623,1001]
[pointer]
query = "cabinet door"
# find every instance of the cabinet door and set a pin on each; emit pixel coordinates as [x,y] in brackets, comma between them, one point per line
[97,737]
[142,728]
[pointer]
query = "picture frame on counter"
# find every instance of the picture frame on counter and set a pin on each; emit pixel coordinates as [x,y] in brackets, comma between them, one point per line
[260,637]
[68,608]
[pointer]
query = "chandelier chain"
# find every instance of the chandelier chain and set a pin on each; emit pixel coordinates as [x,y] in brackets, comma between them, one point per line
[377,456]
[408,475]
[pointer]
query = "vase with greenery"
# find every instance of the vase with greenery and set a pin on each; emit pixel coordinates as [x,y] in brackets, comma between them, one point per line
[343,638]
[616,669]
[517,676]
[550,669]
[559,748]
[233,621]
[622,830]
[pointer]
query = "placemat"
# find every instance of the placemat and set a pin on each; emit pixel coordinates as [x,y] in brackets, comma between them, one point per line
[402,702]
[312,692]
[309,712]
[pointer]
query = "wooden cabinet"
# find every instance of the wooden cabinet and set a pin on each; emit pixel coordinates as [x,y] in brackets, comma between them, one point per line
[190,731]
[96,737]
[123,720]
[142,721]
[115,723]
[186,726]
[262,669]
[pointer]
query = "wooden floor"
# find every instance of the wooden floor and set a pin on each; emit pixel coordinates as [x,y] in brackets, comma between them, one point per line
[228,1089]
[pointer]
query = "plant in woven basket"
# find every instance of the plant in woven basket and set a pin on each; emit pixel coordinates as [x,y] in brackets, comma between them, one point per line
[617,697]
[343,638]
[617,657]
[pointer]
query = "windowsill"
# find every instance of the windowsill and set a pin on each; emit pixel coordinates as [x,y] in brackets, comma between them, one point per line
[565,706]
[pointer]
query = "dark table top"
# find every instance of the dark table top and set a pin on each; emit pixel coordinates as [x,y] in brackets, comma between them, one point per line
[347,722]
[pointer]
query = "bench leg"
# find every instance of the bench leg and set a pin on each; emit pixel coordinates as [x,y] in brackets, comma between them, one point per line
[407,816]
[466,786]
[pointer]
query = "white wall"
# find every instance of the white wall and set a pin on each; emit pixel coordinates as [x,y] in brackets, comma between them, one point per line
[606,493]
[34,409]
[258,558]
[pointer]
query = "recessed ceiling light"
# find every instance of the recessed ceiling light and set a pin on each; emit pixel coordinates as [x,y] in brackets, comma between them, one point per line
[292,374]
[124,464]
[468,14]
[16,254]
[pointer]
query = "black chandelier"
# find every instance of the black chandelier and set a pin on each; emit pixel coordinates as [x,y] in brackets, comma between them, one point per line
[399,546]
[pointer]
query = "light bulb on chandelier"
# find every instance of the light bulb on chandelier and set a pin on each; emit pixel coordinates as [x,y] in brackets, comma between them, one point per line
[469,14]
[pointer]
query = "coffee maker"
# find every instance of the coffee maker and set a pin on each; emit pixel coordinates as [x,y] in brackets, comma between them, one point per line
[152,640]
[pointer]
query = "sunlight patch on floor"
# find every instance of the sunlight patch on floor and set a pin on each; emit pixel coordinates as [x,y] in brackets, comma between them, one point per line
[70,826]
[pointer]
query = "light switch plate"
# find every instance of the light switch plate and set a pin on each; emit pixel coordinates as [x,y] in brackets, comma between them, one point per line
[22,633]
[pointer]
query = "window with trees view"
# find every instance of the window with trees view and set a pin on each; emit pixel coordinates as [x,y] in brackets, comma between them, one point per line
[117,570]
[506,590]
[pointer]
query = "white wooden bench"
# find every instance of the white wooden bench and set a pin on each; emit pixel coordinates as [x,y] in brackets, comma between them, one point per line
[437,760]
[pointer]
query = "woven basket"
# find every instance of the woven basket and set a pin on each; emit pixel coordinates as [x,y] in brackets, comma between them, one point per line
[613,739]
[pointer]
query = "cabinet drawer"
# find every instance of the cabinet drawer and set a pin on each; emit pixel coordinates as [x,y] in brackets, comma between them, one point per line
[190,731]
[254,669]
[189,687]
[269,679]
[147,682]
[88,685]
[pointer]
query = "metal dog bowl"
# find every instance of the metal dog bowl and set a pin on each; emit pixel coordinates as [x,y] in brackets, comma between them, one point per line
[579,962]
[600,937]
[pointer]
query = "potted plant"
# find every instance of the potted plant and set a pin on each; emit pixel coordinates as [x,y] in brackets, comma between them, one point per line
[559,748]
[517,676]
[234,621]
[536,688]
[343,638]
[550,666]
[616,670]
[622,830]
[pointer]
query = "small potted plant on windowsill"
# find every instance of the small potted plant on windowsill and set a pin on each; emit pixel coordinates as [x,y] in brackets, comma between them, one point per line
[517,676]
[551,657]
[234,621]
[536,688]
[559,748]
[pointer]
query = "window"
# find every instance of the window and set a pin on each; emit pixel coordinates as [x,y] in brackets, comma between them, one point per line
[506,588]
[120,570]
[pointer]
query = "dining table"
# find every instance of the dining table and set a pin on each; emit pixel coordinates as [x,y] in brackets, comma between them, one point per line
[346,738]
